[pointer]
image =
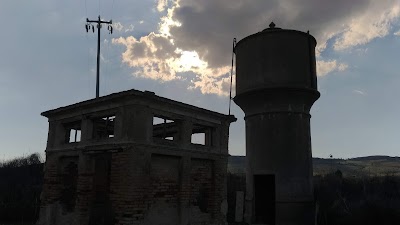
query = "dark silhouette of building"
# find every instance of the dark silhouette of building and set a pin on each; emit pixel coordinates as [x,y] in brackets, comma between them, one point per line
[276,85]
[135,158]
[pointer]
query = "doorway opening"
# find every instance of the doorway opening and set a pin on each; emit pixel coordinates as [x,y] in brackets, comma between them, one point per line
[101,211]
[264,196]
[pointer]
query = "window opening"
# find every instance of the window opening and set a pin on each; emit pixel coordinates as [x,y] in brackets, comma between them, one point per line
[202,135]
[74,135]
[103,128]
[199,138]
[73,132]
[164,128]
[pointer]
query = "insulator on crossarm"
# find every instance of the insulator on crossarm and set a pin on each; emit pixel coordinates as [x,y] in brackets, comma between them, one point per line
[93,28]
[87,28]
[111,30]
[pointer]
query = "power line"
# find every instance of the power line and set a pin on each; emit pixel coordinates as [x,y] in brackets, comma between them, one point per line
[88,48]
[107,59]
[85,8]
[112,9]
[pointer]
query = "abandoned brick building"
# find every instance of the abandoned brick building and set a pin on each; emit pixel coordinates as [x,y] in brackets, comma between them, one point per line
[135,158]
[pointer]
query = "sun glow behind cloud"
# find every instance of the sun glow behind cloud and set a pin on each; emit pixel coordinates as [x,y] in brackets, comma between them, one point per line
[157,57]
[188,60]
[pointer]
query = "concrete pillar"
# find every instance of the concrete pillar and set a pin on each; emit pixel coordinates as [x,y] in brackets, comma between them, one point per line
[86,129]
[134,123]
[239,206]
[185,132]
[216,138]
[56,134]
[84,187]
[224,137]
[185,189]
[208,137]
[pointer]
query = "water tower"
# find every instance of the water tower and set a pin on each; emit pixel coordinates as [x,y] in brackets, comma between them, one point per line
[276,85]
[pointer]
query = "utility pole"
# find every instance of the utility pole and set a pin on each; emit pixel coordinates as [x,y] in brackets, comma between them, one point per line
[90,26]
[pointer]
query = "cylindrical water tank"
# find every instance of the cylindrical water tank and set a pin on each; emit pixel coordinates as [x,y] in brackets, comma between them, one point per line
[274,58]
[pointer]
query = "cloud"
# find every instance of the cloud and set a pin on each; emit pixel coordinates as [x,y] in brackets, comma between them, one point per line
[129,28]
[361,51]
[153,54]
[359,92]
[118,26]
[397,33]
[326,67]
[195,36]
[162,5]
[369,26]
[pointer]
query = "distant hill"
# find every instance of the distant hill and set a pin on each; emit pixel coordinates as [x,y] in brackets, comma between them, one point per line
[361,166]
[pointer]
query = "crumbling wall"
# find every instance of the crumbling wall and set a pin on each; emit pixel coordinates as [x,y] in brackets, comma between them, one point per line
[129,185]
[163,194]
[201,191]
[59,190]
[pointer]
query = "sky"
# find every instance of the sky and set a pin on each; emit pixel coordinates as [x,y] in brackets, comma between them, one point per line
[181,49]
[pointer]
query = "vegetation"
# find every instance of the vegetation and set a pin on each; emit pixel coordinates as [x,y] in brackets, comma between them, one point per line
[351,200]
[33,159]
[343,200]
[20,186]
[359,167]
[354,167]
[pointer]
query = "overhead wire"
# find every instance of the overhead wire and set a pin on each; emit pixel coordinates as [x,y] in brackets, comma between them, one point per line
[88,53]
[107,54]
[112,10]
[86,8]
[107,60]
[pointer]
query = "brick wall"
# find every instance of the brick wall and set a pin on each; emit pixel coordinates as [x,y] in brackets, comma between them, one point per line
[59,194]
[129,179]
[163,193]
[144,188]
[201,191]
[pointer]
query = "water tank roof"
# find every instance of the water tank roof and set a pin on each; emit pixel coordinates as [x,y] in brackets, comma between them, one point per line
[272,29]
